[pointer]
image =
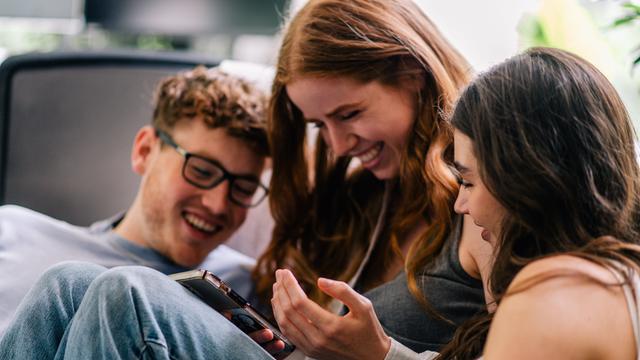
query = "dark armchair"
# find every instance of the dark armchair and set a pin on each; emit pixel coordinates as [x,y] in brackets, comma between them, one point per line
[67,121]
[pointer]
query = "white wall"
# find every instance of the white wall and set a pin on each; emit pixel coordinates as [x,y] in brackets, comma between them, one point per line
[485,32]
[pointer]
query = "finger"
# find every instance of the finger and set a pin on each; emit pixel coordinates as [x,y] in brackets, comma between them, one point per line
[358,305]
[300,336]
[313,312]
[273,347]
[276,306]
[288,312]
[261,336]
[288,320]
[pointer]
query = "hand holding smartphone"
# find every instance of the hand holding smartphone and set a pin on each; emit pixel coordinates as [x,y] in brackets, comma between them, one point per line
[232,306]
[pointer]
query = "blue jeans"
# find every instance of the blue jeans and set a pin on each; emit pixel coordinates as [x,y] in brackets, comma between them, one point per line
[84,311]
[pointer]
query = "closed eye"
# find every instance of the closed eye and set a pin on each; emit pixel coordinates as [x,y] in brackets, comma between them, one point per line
[459,179]
[244,188]
[349,115]
[465,184]
[201,172]
[462,182]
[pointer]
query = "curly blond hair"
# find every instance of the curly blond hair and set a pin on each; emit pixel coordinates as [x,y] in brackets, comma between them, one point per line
[222,100]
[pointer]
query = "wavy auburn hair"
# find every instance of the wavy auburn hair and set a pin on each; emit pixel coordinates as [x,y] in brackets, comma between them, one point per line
[324,221]
[555,147]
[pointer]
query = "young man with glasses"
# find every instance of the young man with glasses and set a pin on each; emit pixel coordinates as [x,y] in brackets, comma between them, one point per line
[200,163]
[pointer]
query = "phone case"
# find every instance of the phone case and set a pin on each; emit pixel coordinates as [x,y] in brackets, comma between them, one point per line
[227,302]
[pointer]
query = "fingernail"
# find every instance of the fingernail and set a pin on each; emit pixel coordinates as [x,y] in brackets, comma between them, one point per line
[327,282]
[265,336]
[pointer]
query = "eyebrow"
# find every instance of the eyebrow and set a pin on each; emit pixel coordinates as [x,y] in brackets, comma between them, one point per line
[335,111]
[342,107]
[165,137]
[461,168]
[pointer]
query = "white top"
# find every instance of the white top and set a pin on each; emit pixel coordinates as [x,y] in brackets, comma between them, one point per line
[632,294]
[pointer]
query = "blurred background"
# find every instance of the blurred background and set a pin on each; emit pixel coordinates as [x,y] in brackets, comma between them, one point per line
[73,133]
[605,32]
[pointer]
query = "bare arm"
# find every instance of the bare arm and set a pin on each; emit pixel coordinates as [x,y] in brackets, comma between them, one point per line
[558,308]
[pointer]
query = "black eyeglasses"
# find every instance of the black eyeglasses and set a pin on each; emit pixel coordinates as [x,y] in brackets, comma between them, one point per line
[245,191]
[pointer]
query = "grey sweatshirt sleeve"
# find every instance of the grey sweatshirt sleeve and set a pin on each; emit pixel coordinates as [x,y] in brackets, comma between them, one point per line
[401,352]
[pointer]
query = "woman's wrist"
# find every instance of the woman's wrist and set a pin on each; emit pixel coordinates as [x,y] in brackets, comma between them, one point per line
[385,346]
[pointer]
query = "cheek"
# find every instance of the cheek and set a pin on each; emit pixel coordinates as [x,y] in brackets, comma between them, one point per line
[173,185]
[388,132]
[173,189]
[398,132]
[477,205]
[492,211]
[238,215]
[166,177]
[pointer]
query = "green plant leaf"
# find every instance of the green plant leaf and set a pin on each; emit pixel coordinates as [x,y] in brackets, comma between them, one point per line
[625,20]
[632,7]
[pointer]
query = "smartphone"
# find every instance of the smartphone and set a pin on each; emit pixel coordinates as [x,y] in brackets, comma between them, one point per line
[227,302]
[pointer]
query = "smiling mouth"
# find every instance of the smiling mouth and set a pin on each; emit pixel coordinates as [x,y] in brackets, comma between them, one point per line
[200,224]
[370,154]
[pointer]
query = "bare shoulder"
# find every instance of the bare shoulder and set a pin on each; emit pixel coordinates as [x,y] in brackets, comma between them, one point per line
[561,307]
[554,267]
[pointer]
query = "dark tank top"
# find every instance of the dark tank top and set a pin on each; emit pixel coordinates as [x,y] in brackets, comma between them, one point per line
[452,292]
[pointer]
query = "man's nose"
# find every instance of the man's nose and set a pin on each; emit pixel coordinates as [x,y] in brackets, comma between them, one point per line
[217,198]
[460,205]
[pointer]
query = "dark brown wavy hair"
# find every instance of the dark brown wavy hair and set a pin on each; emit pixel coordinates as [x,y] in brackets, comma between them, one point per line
[555,147]
[325,216]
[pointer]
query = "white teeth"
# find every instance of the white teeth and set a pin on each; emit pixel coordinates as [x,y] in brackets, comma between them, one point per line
[370,154]
[199,223]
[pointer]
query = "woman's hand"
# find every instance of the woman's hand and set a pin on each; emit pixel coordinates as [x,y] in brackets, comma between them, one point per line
[322,334]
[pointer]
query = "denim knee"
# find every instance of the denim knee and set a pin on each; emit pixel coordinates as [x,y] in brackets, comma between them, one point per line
[71,274]
[125,278]
[46,310]
[132,286]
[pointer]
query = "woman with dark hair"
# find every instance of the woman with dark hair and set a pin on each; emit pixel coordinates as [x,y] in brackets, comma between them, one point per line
[372,207]
[544,151]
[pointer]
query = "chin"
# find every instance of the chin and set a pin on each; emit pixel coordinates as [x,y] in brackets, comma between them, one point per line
[189,261]
[186,264]
[385,174]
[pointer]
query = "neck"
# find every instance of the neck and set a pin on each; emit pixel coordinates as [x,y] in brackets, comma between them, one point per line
[129,227]
[405,243]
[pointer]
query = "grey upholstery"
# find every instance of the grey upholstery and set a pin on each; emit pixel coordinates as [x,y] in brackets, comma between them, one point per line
[68,122]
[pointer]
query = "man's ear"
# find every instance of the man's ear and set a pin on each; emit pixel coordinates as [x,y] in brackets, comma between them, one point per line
[142,150]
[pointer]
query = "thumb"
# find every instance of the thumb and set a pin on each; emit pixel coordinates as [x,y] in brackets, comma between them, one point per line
[342,292]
